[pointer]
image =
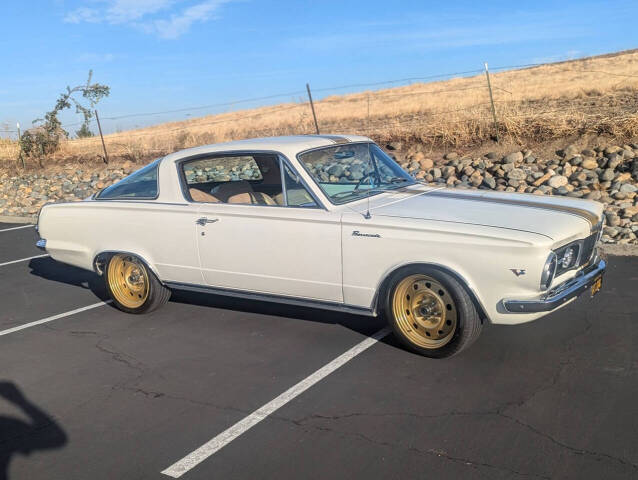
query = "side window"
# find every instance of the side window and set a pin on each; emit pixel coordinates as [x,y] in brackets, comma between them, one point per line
[296,193]
[139,185]
[241,179]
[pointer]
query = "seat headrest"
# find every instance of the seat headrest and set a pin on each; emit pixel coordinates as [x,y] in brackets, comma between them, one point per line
[198,196]
[225,190]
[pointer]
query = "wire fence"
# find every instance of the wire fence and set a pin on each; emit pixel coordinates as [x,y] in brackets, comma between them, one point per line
[415,100]
[408,80]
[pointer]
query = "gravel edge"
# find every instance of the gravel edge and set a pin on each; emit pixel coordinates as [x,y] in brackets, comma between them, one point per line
[10,219]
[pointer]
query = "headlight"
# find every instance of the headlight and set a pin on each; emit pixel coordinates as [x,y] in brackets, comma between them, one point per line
[549,271]
[568,257]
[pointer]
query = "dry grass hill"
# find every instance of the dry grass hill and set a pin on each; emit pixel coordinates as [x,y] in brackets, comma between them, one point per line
[591,96]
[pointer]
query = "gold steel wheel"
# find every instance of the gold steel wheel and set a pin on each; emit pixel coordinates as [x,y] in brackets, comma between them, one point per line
[128,280]
[424,311]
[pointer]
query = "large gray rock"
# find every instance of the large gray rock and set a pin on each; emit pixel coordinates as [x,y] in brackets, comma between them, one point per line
[589,163]
[558,181]
[489,182]
[514,157]
[516,174]
[607,175]
[336,170]
[614,160]
[628,188]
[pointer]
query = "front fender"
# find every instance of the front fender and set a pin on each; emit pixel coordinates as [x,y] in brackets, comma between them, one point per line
[481,257]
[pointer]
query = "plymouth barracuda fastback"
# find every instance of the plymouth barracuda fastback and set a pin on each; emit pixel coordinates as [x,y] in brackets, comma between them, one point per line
[331,222]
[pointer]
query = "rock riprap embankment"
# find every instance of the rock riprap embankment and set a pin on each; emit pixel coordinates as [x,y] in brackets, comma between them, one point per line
[24,195]
[605,174]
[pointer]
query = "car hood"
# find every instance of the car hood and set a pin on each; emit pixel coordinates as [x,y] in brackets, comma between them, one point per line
[559,218]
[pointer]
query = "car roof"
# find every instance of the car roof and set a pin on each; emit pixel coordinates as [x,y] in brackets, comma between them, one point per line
[292,144]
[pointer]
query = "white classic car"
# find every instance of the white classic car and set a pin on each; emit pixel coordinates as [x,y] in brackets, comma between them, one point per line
[331,222]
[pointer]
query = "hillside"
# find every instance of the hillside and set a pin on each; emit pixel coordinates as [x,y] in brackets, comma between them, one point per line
[587,97]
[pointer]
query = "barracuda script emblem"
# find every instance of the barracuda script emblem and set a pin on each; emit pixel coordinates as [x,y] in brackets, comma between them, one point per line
[518,271]
[357,233]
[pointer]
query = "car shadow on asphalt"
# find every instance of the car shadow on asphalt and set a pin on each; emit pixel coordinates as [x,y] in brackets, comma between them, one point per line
[364,325]
[49,269]
[19,436]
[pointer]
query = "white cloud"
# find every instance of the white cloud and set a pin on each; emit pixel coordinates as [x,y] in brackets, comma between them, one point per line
[125,11]
[82,14]
[160,17]
[178,24]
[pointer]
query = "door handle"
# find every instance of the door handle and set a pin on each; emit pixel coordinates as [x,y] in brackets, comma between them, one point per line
[203,221]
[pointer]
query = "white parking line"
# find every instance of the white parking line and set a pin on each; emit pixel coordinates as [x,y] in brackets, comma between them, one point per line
[182,466]
[16,228]
[23,260]
[50,319]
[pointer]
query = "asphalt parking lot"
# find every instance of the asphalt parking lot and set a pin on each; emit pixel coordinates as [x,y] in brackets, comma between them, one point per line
[102,394]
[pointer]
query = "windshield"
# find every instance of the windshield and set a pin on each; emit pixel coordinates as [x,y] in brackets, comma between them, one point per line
[349,172]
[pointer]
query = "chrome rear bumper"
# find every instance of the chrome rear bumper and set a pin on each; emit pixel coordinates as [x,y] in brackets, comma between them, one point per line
[561,294]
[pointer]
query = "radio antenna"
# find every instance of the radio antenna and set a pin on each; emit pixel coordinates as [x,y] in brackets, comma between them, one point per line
[367,215]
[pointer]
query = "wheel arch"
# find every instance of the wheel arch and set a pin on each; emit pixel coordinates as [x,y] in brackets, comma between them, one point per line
[101,257]
[384,284]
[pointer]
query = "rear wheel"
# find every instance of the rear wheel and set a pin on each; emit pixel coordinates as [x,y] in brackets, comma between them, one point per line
[132,287]
[431,312]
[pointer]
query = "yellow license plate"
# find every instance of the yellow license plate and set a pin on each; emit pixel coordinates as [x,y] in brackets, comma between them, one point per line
[596,286]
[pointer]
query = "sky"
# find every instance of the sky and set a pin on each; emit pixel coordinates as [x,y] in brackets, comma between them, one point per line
[191,55]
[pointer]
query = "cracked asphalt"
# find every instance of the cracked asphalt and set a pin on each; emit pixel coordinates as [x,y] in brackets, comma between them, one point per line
[106,395]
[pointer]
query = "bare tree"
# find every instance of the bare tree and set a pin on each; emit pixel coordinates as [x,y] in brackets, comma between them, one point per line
[45,138]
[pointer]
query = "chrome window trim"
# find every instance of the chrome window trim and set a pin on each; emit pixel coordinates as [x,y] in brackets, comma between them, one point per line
[184,185]
[96,196]
[282,177]
[303,184]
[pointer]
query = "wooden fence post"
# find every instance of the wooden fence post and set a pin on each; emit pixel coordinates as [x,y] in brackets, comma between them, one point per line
[312,107]
[489,87]
[99,127]
[20,156]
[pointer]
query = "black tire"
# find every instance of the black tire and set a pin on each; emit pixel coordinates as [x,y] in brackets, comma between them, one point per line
[155,294]
[468,321]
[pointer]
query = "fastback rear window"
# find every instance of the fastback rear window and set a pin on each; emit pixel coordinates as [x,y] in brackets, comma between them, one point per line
[137,186]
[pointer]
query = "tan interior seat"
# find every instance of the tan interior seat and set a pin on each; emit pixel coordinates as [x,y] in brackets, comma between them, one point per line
[198,196]
[239,192]
[252,198]
[224,191]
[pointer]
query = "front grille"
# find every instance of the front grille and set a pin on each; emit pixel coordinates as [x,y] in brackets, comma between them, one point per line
[589,246]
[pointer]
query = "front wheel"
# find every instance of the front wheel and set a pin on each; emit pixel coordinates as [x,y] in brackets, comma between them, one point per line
[430,312]
[132,287]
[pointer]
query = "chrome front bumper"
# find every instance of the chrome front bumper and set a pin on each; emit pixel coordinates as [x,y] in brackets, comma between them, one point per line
[561,294]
